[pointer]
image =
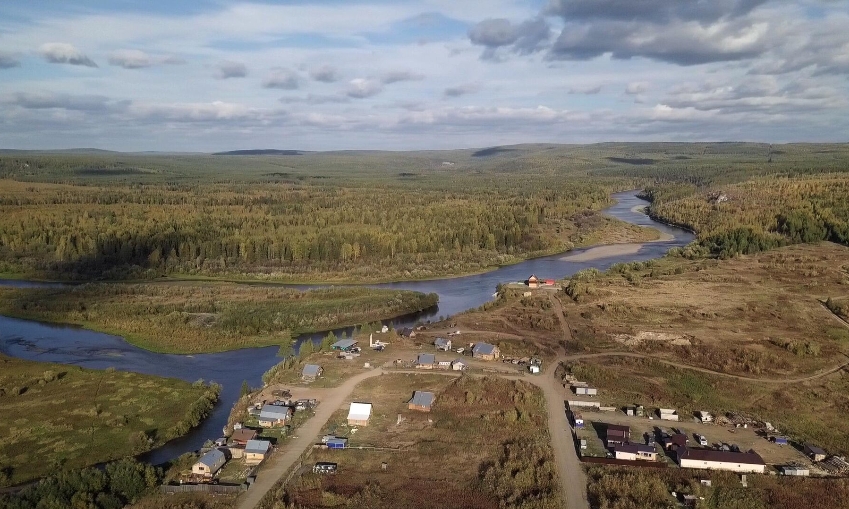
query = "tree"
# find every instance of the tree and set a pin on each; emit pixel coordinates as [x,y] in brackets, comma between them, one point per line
[245,390]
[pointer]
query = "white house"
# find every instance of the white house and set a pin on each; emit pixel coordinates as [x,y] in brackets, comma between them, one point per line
[634,452]
[209,463]
[359,414]
[459,365]
[534,369]
[707,459]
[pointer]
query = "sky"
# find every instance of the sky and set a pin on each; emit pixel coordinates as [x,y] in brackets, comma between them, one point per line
[213,75]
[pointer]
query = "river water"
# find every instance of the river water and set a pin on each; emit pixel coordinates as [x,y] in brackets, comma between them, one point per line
[72,345]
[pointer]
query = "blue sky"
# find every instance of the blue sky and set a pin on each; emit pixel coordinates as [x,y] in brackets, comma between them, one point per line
[318,75]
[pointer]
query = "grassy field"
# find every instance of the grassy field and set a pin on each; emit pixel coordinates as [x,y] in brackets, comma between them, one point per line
[63,417]
[756,315]
[635,488]
[208,317]
[484,445]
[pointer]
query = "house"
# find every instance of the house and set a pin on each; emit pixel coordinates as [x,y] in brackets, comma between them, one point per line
[533,282]
[407,332]
[795,470]
[634,452]
[359,414]
[242,436]
[486,352]
[311,372]
[443,344]
[815,453]
[209,463]
[668,414]
[256,451]
[579,420]
[708,459]
[337,443]
[705,417]
[583,390]
[678,440]
[425,361]
[458,365]
[618,435]
[534,369]
[422,401]
[344,345]
[274,415]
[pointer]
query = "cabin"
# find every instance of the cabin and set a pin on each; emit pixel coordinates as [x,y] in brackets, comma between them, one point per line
[459,365]
[344,345]
[815,453]
[707,459]
[256,451]
[209,463]
[425,361]
[359,414]
[442,344]
[242,436]
[311,372]
[274,415]
[486,352]
[635,452]
[533,282]
[618,435]
[422,401]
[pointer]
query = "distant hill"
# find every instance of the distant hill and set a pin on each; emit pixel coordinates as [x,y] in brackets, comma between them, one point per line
[59,151]
[260,152]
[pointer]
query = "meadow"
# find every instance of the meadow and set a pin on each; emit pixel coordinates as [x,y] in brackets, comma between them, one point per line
[208,317]
[61,418]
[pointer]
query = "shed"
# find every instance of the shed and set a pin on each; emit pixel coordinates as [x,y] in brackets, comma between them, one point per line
[256,451]
[579,420]
[583,390]
[274,415]
[486,352]
[442,344]
[533,281]
[618,435]
[344,345]
[779,440]
[407,332]
[311,372]
[359,414]
[242,436]
[634,452]
[815,453]
[583,443]
[209,463]
[422,401]
[458,365]
[425,361]
[668,414]
[337,443]
[534,369]
[795,470]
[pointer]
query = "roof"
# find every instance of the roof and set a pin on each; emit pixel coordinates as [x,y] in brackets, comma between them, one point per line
[212,458]
[814,449]
[243,434]
[459,361]
[338,440]
[274,412]
[533,278]
[257,446]
[484,348]
[635,448]
[426,358]
[678,439]
[422,398]
[311,370]
[442,342]
[360,411]
[343,344]
[748,458]
[617,428]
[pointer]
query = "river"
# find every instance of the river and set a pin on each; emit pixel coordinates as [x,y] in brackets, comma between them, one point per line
[37,341]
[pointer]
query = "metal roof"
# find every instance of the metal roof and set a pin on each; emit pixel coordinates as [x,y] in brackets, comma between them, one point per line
[342,344]
[311,369]
[257,446]
[422,398]
[359,411]
[426,358]
[243,434]
[442,342]
[635,448]
[484,348]
[274,412]
[814,450]
[747,458]
[618,428]
[212,459]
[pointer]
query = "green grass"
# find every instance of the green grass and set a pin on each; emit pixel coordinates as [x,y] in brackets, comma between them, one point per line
[207,317]
[57,416]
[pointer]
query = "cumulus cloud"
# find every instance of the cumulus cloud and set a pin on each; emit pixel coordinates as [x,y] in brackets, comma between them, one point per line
[523,38]
[586,90]
[196,112]
[51,100]
[656,11]
[325,74]
[8,60]
[637,87]
[316,99]
[284,79]
[229,69]
[459,90]
[396,76]
[360,88]
[63,53]
[130,59]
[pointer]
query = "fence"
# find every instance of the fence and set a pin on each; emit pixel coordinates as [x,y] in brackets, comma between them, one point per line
[204,488]
[624,463]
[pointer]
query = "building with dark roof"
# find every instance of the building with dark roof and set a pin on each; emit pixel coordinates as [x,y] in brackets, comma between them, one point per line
[486,352]
[634,452]
[708,459]
[425,361]
[344,345]
[618,435]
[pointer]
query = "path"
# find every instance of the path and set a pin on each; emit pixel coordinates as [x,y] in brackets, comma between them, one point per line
[307,434]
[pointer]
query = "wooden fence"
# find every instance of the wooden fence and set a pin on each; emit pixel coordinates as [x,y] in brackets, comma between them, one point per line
[203,488]
[623,463]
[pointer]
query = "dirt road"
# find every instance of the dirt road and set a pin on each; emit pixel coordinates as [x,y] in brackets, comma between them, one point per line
[307,435]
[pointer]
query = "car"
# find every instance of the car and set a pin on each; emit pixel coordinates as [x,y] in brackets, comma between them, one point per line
[703,441]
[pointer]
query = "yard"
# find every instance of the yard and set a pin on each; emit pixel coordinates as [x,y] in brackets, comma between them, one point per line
[484,445]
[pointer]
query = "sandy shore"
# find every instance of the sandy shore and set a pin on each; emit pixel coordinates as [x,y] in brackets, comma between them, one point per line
[639,209]
[594,253]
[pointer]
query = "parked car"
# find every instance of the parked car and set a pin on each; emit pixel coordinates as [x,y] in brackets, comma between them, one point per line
[703,441]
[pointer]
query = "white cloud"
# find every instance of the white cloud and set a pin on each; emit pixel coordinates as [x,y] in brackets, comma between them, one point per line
[361,88]
[229,69]
[130,59]
[63,53]
[284,79]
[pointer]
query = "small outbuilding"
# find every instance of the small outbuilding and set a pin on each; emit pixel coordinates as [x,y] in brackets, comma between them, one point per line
[422,401]
[256,451]
[705,417]
[442,344]
[337,443]
[359,414]
[425,361]
[274,415]
[534,369]
[209,463]
[459,365]
[533,281]
[667,414]
[344,345]
[311,372]
[815,453]
[583,390]
[485,351]
[579,420]
[795,470]
[779,440]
